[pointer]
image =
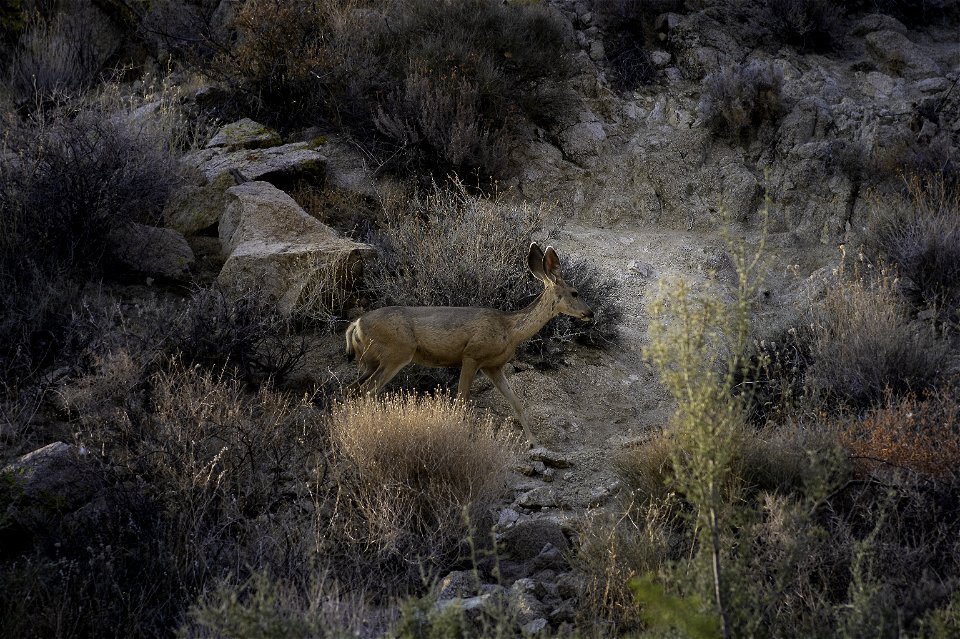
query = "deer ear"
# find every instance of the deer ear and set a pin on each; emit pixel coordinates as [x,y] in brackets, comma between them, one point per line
[551,263]
[535,261]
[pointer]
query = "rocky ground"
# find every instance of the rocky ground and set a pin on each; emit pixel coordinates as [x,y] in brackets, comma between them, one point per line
[639,186]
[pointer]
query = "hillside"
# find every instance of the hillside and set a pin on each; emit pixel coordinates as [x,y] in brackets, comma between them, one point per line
[756,434]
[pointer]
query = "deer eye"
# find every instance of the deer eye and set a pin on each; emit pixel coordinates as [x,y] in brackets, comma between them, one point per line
[574,294]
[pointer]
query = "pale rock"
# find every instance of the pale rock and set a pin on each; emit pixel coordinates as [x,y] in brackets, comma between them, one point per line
[244,134]
[151,250]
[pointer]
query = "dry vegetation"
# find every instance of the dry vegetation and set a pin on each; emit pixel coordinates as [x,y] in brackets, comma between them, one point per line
[806,485]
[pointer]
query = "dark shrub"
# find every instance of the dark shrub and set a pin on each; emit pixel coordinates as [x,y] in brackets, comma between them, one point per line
[811,25]
[921,235]
[246,334]
[738,99]
[63,185]
[628,31]
[60,56]
[435,86]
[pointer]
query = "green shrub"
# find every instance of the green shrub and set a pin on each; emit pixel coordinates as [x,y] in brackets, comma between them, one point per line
[738,99]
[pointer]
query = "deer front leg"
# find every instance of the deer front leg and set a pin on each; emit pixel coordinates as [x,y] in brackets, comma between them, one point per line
[499,380]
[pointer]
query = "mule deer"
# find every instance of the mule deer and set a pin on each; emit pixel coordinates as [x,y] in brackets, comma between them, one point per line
[468,338]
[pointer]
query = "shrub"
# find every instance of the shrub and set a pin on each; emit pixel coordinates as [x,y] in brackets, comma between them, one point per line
[422,476]
[438,119]
[63,186]
[246,333]
[737,99]
[864,344]
[68,181]
[921,436]
[921,236]
[812,25]
[629,27]
[437,86]
[59,57]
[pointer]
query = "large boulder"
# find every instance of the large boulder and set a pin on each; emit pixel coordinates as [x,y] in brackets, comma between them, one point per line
[151,250]
[50,481]
[195,206]
[898,55]
[280,165]
[273,245]
[244,134]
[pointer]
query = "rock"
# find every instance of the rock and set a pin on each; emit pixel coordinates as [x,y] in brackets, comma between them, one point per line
[550,558]
[565,612]
[346,168]
[597,51]
[151,250]
[642,269]
[528,537]
[193,208]
[542,497]
[508,517]
[51,480]
[279,165]
[660,59]
[244,134]
[274,245]
[524,604]
[876,22]
[899,55]
[534,627]
[460,583]
[550,458]
[582,140]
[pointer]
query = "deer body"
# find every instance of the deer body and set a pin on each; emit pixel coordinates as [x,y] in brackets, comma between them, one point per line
[470,338]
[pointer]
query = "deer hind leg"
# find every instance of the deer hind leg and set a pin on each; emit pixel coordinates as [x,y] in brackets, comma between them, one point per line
[386,371]
[499,380]
[468,370]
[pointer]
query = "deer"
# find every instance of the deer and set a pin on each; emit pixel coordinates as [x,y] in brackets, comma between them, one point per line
[470,338]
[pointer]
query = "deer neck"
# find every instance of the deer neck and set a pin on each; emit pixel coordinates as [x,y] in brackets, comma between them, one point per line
[528,321]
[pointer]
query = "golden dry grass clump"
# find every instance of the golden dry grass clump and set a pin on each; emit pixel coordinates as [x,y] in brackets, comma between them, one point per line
[421,474]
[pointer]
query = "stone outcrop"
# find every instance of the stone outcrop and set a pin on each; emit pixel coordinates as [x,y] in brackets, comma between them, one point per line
[274,246]
[148,249]
[244,134]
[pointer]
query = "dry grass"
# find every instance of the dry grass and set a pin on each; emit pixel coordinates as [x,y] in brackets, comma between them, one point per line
[421,475]
[865,344]
[922,436]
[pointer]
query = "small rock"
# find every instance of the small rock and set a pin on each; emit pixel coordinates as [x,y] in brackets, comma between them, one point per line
[597,51]
[460,583]
[244,134]
[534,627]
[550,458]
[599,496]
[660,59]
[527,538]
[539,467]
[550,558]
[508,517]
[543,497]
[565,612]
[641,268]
[548,474]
